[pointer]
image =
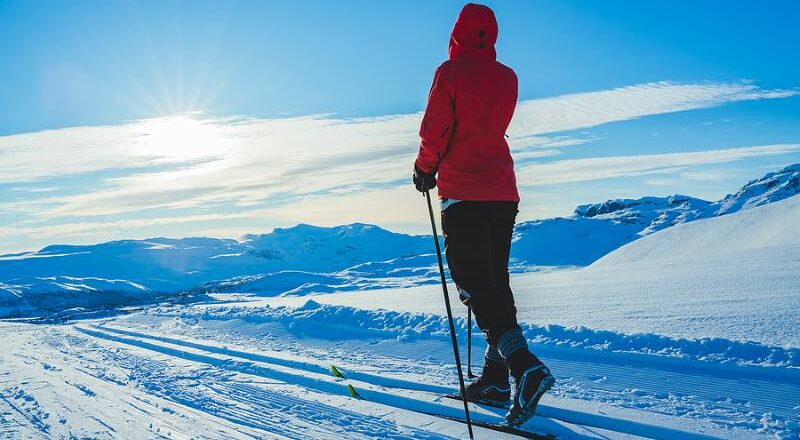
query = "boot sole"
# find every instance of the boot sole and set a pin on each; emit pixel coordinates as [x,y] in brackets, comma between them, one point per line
[530,408]
[504,404]
[494,403]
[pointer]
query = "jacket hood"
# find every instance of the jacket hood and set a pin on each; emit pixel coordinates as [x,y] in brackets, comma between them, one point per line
[475,31]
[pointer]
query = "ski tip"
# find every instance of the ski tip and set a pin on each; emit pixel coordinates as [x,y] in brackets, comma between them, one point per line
[335,371]
[353,392]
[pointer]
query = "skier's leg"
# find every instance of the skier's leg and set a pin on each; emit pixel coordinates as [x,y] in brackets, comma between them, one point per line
[532,379]
[509,336]
[467,231]
[503,216]
[467,235]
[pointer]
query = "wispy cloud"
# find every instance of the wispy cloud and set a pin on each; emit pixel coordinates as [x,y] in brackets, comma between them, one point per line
[596,168]
[139,144]
[582,110]
[244,167]
[405,207]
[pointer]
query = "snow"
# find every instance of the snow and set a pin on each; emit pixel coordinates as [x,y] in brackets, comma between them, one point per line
[733,279]
[775,226]
[57,293]
[771,188]
[164,265]
[597,229]
[242,370]
[410,327]
[685,326]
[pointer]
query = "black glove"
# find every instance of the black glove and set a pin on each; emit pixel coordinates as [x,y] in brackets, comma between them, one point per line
[424,182]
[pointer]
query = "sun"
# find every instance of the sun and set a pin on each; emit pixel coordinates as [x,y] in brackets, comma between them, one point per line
[180,138]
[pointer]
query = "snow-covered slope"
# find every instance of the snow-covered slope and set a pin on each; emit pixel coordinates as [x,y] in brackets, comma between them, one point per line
[596,229]
[32,295]
[728,278]
[775,226]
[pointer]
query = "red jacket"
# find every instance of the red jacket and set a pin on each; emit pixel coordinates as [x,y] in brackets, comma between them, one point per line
[470,105]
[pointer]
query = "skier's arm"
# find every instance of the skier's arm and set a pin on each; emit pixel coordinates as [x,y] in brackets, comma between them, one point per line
[437,123]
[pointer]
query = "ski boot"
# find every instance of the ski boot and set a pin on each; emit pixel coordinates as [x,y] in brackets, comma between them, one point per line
[492,388]
[531,379]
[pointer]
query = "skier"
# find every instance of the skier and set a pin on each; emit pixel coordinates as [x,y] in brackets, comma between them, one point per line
[470,105]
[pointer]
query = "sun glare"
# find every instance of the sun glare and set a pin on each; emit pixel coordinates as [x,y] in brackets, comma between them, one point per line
[180,138]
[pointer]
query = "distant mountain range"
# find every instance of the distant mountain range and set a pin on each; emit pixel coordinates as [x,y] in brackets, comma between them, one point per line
[307,258]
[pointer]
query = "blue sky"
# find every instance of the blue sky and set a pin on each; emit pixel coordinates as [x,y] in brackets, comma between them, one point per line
[136,119]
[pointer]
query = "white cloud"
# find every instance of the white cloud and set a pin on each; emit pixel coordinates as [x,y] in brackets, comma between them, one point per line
[231,165]
[706,175]
[68,151]
[533,154]
[402,207]
[582,110]
[596,168]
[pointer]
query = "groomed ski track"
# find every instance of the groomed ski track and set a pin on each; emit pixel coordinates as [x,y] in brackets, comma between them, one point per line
[307,375]
[150,375]
[392,392]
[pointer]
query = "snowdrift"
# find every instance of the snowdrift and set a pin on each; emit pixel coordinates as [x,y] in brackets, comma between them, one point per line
[337,321]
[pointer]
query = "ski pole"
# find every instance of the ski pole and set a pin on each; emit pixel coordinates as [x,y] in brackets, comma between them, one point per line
[449,316]
[469,343]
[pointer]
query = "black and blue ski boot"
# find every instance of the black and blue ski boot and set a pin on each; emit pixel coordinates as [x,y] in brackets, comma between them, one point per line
[532,379]
[492,388]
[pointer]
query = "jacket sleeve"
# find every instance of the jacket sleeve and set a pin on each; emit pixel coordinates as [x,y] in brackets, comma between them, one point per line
[437,123]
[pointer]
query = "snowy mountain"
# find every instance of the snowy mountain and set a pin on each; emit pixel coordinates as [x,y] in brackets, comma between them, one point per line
[770,188]
[158,265]
[326,249]
[772,229]
[305,258]
[595,230]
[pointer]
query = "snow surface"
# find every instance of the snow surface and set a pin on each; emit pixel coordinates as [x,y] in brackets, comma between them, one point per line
[690,332]
[242,370]
[775,226]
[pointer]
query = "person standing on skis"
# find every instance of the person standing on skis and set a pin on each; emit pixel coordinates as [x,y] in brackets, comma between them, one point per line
[470,105]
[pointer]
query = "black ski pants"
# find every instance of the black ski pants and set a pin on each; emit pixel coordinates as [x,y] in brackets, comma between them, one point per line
[477,244]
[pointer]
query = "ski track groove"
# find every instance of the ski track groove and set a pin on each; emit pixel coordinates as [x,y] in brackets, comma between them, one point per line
[345,424]
[136,365]
[570,416]
[35,421]
[325,384]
